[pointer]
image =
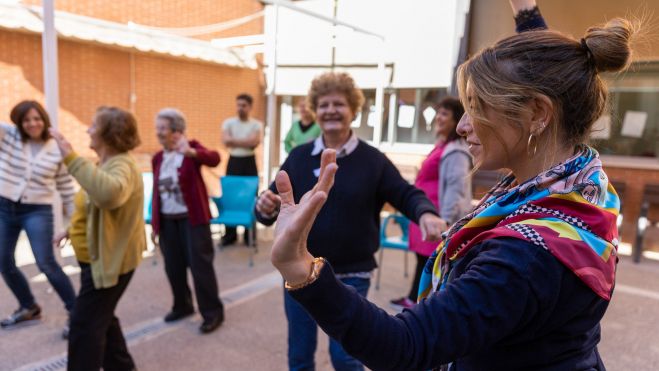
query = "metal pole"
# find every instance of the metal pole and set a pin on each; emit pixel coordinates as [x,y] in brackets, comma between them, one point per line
[51,84]
[270,139]
[379,101]
[336,6]
[393,110]
[49,57]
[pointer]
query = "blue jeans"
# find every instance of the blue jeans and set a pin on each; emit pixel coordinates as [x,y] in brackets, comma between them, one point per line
[302,334]
[37,221]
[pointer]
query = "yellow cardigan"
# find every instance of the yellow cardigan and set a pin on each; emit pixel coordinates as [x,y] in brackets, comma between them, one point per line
[115,222]
[78,227]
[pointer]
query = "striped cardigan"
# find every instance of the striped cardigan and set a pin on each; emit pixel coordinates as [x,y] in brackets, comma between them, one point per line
[33,179]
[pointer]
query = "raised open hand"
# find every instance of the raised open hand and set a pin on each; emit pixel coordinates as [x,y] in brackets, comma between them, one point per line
[289,252]
[64,145]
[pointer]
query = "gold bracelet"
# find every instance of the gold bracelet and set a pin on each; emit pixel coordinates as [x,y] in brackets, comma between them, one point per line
[316,266]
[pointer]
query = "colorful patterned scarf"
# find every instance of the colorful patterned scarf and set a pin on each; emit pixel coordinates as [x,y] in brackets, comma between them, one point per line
[569,210]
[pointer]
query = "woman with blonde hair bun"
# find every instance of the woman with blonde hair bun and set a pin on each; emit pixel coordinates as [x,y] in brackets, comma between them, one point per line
[523,281]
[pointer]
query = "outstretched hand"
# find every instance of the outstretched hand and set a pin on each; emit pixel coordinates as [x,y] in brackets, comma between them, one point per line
[64,145]
[289,252]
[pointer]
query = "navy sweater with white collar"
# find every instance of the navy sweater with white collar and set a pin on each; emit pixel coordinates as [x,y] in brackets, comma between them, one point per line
[346,231]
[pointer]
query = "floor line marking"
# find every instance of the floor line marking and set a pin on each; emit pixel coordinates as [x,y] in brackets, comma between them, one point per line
[150,329]
[636,291]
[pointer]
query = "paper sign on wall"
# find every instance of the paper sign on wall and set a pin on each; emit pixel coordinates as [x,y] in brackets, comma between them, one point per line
[429,114]
[406,116]
[634,124]
[601,128]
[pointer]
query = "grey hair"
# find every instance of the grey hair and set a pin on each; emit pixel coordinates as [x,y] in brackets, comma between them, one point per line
[175,117]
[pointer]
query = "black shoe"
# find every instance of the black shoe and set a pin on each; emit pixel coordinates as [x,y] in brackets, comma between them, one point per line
[210,325]
[22,315]
[227,241]
[175,316]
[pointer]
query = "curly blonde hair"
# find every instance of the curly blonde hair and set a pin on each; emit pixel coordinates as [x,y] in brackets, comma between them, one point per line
[335,82]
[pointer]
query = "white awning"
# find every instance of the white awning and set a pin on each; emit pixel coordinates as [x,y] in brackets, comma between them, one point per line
[72,26]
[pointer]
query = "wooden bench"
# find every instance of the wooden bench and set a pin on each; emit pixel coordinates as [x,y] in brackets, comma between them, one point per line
[650,200]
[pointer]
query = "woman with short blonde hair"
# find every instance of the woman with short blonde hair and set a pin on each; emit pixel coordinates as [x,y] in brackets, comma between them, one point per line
[348,230]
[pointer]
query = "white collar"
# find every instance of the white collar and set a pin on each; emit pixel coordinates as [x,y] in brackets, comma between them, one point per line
[347,148]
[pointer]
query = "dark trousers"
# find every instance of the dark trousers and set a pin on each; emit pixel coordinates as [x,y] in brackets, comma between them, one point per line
[186,246]
[95,339]
[420,264]
[243,166]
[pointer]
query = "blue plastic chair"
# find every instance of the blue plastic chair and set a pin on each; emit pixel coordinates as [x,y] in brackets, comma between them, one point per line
[399,242]
[236,206]
[147,179]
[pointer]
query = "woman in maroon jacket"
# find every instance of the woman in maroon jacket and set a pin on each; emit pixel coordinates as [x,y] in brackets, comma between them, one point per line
[180,218]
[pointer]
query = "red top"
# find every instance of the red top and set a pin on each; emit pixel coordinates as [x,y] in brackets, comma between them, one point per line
[191,183]
[427,180]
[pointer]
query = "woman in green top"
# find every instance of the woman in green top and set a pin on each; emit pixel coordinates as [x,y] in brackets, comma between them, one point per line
[115,239]
[302,131]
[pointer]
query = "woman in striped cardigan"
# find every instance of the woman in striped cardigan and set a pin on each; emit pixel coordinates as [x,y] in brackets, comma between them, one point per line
[31,172]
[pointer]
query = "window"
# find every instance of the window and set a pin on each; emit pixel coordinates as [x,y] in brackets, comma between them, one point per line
[409,114]
[632,127]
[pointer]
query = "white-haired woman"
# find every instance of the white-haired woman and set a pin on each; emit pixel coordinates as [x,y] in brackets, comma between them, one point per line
[180,217]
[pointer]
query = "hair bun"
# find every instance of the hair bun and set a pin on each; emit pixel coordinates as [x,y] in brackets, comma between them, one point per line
[610,44]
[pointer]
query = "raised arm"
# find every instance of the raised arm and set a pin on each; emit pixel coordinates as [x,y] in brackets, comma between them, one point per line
[203,155]
[107,188]
[527,16]
[491,298]
[4,128]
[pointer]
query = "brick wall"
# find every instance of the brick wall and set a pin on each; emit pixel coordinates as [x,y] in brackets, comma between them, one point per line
[168,13]
[91,75]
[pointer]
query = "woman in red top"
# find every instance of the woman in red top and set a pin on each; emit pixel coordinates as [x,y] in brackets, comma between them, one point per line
[444,177]
[180,217]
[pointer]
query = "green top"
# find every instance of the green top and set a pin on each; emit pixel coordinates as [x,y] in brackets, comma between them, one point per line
[115,221]
[296,136]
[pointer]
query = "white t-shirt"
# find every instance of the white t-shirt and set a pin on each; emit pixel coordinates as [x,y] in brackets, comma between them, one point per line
[171,198]
[241,130]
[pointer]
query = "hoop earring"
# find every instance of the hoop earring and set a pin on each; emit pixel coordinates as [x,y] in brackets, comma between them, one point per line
[534,139]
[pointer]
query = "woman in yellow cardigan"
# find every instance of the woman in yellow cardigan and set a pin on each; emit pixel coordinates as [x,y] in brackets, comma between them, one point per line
[114,241]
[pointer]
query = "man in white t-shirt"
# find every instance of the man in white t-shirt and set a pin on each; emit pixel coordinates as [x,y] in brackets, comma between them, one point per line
[241,134]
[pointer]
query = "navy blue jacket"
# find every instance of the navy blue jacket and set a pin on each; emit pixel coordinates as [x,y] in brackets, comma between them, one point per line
[347,229]
[509,305]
